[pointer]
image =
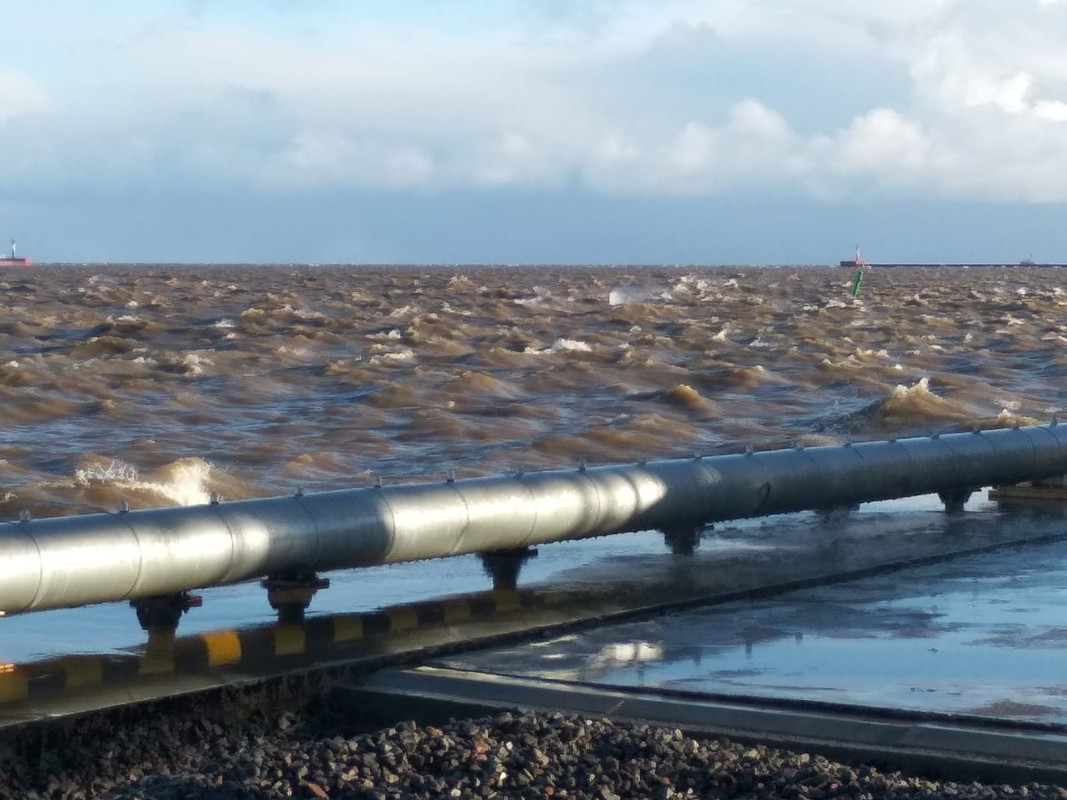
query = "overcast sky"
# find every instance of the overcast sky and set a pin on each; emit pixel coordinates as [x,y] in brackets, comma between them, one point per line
[534,131]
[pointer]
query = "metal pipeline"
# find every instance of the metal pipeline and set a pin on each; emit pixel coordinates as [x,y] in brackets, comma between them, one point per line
[71,561]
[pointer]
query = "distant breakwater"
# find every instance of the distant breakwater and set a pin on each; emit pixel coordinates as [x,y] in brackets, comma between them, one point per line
[959,265]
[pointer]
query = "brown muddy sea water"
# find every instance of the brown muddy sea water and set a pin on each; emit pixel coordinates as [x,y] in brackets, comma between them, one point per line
[159,385]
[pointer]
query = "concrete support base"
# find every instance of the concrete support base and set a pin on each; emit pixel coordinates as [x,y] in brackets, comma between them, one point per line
[163,612]
[955,500]
[503,566]
[290,595]
[683,541]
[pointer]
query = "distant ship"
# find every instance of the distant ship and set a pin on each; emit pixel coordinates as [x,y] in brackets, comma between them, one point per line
[854,262]
[14,260]
[859,263]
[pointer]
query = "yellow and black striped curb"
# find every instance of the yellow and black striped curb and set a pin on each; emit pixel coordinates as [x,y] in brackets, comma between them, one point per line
[263,646]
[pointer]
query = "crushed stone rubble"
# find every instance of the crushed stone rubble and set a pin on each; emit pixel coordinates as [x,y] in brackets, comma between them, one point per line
[314,754]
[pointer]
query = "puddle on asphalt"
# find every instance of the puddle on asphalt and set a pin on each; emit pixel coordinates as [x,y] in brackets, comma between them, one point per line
[981,634]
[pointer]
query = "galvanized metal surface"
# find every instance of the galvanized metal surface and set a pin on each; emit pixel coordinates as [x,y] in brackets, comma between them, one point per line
[71,561]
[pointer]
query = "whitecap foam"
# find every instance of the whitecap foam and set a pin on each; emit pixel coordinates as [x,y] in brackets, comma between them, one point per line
[194,363]
[391,334]
[630,293]
[398,356]
[183,483]
[113,472]
[918,389]
[562,346]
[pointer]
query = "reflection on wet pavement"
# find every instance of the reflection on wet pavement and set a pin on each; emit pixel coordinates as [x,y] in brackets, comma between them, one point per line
[983,634]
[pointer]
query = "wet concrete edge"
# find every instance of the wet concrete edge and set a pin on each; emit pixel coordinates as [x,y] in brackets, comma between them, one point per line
[975,750]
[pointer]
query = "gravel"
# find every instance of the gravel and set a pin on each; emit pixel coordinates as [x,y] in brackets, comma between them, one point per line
[223,755]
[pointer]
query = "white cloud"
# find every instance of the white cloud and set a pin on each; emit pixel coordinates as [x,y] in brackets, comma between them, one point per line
[21,96]
[955,77]
[1054,110]
[324,158]
[693,151]
[753,144]
[882,142]
[751,118]
[535,95]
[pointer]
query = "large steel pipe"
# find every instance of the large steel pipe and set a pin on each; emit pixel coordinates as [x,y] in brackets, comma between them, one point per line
[70,561]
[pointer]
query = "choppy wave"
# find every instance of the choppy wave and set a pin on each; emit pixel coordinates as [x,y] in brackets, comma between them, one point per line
[163,385]
[104,484]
